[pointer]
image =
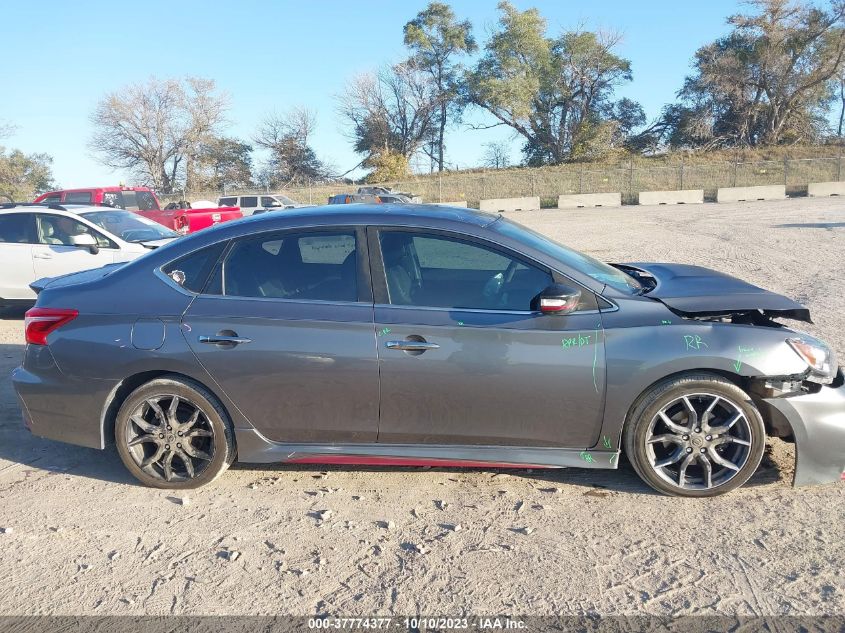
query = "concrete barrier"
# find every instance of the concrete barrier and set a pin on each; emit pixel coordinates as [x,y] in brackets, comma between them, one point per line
[581,200]
[745,194]
[462,204]
[510,204]
[681,196]
[822,189]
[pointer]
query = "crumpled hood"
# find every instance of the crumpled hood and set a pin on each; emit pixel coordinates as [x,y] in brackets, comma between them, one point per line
[701,291]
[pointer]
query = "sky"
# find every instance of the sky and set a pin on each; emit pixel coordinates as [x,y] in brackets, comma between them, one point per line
[60,58]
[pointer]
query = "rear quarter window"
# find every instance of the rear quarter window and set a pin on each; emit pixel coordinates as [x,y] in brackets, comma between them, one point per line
[192,271]
[227,202]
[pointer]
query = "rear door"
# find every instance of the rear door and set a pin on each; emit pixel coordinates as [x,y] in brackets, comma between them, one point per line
[17,237]
[285,328]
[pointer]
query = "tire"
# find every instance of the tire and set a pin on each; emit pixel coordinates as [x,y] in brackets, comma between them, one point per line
[668,445]
[182,452]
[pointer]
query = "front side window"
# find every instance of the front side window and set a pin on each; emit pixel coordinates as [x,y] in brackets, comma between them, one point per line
[146,201]
[269,201]
[52,199]
[58,230]
[17,228]
[445,272]
[304,266]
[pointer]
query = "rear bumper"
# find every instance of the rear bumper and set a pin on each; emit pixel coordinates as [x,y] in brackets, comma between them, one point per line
[58,407]
[818,426]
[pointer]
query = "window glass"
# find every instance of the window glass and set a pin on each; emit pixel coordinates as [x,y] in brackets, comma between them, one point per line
[129,226]
[270,201]
[191,271]
[444,272]
[249,201]
[17,228]
[306,266]
[112,199]
[146,201]
[227,202]
[57,230]
[78,197]
[54,199]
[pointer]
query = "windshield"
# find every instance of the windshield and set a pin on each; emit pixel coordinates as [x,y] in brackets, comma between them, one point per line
[128,226]
[601,272]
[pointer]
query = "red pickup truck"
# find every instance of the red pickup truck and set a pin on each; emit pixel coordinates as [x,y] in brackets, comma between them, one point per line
[143,201]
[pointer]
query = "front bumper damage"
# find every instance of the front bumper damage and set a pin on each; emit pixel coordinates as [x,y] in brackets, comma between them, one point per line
[817,421]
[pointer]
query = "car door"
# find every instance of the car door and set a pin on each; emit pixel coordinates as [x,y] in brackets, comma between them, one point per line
[285,328]
[17,234]
[464,360]
[55,255]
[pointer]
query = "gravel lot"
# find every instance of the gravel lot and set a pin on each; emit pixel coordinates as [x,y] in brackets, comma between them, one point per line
[80,537]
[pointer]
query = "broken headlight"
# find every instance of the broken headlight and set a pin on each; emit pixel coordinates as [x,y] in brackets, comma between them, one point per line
[818,356]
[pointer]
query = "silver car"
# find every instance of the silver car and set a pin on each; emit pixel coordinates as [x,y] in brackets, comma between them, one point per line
[383,334]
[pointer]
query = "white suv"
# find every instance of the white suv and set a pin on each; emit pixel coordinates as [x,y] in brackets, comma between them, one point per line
[39,240]
[249,204]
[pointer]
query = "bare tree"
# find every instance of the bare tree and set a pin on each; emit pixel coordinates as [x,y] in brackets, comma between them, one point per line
[496,154]
[292,159]
[156,129]
[392,111]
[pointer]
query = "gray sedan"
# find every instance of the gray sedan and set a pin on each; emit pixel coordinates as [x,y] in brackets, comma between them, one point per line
[359,334]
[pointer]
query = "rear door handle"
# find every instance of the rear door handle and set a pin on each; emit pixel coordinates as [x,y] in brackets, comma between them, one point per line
[411,346]
[219,339]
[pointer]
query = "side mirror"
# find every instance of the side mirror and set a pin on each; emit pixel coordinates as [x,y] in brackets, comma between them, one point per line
[556,299]
[85,240]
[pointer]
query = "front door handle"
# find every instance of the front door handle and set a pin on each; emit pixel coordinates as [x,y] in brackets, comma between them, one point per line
[411,346]
[43,255]
[220,339]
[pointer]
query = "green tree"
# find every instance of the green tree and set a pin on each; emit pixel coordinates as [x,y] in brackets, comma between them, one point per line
[221,163]
[436,38]
[771,80]
[386,166]
[24,176]
[554,92]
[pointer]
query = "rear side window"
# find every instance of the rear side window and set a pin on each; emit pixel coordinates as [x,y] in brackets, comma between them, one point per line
[299,266]
[17,228]
[249,201]
[227,202]
[113,199]
[78,197]
[192,271]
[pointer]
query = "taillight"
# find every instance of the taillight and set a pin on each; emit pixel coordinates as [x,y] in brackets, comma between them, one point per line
[39,322]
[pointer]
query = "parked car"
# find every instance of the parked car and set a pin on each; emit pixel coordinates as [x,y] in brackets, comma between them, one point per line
[368,198]
[251,204]
[39,240]
[373,190]
[181,217]
[425,335]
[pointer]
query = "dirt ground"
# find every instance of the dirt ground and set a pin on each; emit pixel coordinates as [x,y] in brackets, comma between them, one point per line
[79,536]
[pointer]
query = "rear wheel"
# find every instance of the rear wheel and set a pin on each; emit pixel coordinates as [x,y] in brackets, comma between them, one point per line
[695,436]
[172,433]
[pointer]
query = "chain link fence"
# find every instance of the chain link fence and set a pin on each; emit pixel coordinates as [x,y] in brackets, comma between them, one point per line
[628,178]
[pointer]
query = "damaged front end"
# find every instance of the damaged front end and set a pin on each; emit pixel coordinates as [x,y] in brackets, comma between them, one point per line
[801,395]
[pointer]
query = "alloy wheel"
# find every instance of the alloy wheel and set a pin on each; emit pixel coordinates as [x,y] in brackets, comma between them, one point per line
[698,441]
[170,438]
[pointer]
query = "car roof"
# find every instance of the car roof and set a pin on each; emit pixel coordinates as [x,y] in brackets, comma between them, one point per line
[72,209]
[378,213]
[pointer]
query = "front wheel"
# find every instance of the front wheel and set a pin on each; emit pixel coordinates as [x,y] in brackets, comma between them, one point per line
[172,433]
[697,435]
